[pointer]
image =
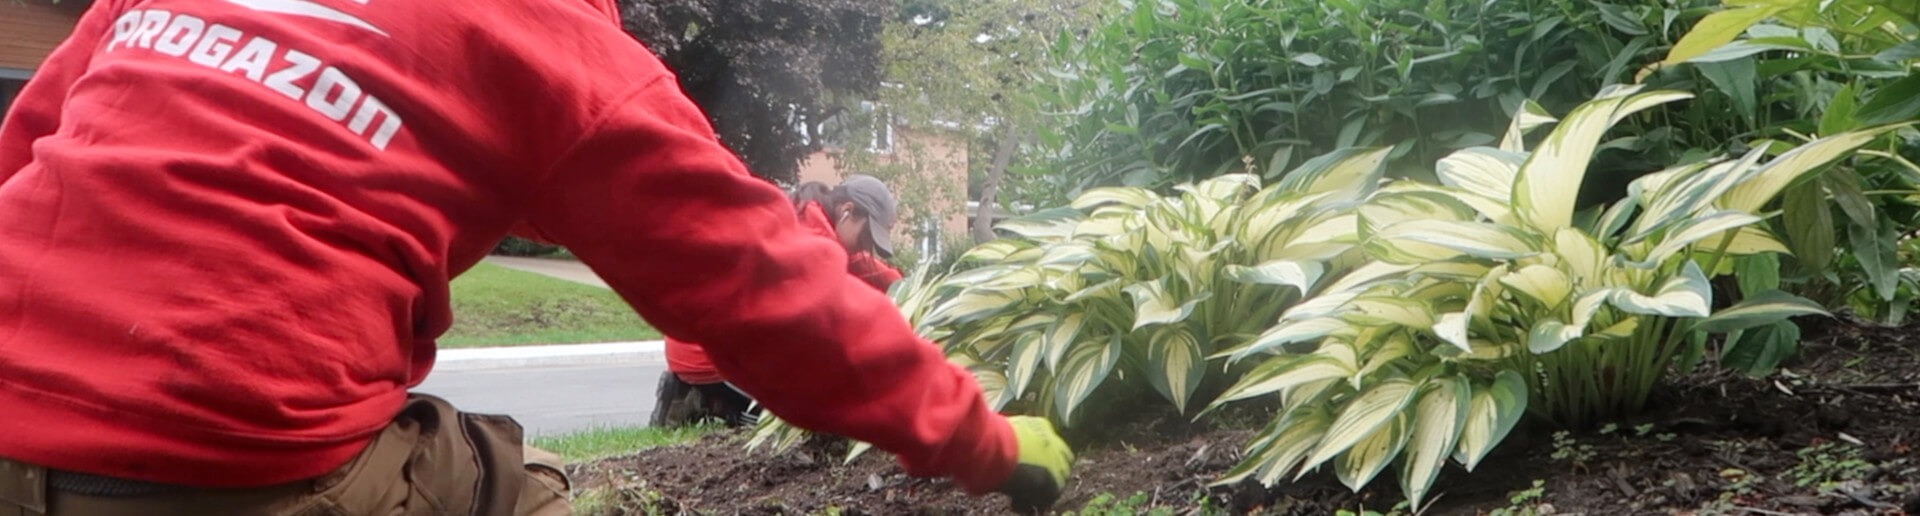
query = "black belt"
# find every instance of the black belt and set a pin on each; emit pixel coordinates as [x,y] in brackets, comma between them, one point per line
[97,485]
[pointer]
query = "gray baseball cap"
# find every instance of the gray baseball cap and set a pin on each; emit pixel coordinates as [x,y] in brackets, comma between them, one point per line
[874,198]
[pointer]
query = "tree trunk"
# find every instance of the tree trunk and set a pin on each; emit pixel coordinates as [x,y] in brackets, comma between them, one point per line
[1002,156]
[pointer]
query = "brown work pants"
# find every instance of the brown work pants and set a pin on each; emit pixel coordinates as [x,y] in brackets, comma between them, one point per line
[432,459]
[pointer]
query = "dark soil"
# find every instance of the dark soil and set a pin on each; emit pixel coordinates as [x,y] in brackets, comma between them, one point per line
[1836,431]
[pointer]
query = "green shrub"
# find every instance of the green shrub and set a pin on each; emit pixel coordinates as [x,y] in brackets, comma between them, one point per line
[1490,296]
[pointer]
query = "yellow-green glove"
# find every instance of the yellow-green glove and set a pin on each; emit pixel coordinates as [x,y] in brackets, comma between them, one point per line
[1045,461]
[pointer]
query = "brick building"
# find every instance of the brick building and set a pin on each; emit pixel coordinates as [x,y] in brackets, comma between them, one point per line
[29,30]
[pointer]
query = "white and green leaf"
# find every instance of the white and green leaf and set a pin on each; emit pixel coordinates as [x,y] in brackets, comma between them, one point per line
[1759,310]
[1299,275]
[1683,295]
[1175,364]
[1086,366]
[1366,413]
[1439,417]
[1289,371]
[1491,413]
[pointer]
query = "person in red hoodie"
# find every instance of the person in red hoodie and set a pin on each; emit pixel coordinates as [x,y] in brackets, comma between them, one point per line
[227,229]
[864,214]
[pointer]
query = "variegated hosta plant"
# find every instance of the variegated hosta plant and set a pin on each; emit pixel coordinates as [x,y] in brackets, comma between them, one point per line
[1488,297]
[1131,286]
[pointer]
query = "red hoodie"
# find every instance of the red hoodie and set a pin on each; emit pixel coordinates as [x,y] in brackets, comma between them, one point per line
[689,362]
[227,226]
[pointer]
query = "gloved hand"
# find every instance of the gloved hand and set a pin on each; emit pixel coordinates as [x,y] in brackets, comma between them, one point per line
[1041,475]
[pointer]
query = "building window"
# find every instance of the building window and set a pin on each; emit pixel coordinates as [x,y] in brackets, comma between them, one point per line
[931,245]
[9,88]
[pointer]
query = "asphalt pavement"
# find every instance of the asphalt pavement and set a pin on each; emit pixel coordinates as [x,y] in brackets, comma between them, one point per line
[555,389]
[554,399]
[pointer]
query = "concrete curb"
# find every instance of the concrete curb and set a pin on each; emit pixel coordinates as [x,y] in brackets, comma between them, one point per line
[610,353]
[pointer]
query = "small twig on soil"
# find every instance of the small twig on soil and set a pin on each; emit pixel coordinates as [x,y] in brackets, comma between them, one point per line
[1750,510]
[1873,388]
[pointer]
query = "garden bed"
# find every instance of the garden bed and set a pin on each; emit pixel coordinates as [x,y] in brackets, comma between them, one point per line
[1837,431]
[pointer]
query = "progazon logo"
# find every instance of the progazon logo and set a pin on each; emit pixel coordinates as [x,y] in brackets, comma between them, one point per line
[299,75]
[309,9]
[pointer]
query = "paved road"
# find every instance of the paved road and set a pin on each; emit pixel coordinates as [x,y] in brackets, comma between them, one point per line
[564,269]
[555,399]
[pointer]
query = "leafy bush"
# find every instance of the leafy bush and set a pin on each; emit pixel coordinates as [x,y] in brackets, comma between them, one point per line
[516,246]
[1129,285]
[1180,90]
[1489,296]
[1827,68]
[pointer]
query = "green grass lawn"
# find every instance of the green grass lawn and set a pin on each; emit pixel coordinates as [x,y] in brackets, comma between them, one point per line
[497,306]
[600,443]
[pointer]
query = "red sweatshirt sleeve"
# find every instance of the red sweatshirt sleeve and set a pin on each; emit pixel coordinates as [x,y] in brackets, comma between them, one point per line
[706,252]
[36,111]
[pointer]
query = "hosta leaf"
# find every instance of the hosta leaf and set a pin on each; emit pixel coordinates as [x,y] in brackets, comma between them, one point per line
[1071,253]
[1098,226]
[1549,335]
[1086,366]
[993,385]
[1051,225]
[1153,304]
[1491,413]
[1438,418]
[1299,275]
[1696,229]
[1685,295]
[1541,283]
[1459,271]
[854,452]
[1366,413]
[1365,275]
[1476,239]
[1452,329]
[971,305]
[1394,346]
[1061,337]
[1105,289]
[1527,117]
[1287,371]
[1174,364]
[1379,310]
[1029,353]
[994,251]
[1285,444]
[1125,196]
[1750,240]
[1364,461]
[1348,172]
[1620,330]
[1032,323]
[1389,208]
[1482,171]
[1583,256]
[1754,193]
[1766,308]
[1548,183]
[1692,190]
[1288,332]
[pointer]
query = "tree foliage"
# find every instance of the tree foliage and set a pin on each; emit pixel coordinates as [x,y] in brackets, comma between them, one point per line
[762,68]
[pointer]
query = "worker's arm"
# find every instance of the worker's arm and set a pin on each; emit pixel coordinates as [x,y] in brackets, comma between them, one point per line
[654,203]
[35,113]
